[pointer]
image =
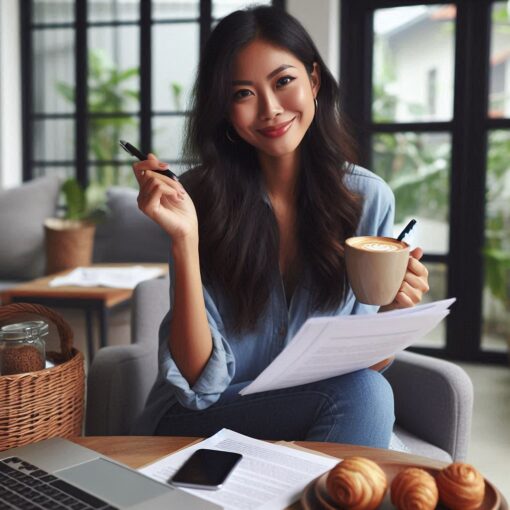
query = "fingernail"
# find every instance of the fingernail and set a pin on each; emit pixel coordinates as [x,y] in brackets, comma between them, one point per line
[163,165]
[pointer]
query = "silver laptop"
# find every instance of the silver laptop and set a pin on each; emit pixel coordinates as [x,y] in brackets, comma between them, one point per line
[59,474]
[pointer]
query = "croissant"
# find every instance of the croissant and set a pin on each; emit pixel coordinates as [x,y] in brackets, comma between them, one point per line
[357,484]
[461,486]
[414,489]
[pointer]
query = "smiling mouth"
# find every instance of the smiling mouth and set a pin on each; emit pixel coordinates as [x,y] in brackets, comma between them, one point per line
[278,130]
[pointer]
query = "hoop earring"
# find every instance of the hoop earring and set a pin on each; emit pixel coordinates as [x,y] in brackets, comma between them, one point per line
[228,136]
[316,103]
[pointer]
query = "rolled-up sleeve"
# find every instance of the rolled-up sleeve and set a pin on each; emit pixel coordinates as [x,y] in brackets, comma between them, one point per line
[216,375]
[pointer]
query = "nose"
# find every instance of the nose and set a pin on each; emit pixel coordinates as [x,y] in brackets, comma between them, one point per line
[269,106]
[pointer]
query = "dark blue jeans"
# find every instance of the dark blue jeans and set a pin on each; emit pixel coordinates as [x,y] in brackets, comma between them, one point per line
[355,408]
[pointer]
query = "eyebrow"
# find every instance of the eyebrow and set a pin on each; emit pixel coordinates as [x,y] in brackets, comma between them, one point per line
[268,77]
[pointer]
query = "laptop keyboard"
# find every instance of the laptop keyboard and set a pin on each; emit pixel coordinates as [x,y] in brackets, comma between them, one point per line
[24,486]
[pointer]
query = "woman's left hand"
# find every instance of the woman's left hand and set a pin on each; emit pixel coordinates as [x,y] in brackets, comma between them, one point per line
[415,284]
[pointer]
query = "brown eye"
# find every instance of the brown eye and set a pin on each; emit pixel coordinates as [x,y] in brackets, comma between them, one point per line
[241,94]
[284,80]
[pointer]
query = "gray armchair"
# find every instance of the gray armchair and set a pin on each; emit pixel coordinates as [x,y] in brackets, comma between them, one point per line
[433,397]
[120,377]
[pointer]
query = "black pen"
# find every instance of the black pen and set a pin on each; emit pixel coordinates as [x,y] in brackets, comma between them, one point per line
[406,230]
[131,149]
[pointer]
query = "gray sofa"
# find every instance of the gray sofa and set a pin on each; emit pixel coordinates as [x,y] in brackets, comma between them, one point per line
[126,235]
[433,398]
[22,212]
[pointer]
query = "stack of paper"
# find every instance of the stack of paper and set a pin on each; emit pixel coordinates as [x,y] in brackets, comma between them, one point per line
[117,277]
[269,476]
[330,346]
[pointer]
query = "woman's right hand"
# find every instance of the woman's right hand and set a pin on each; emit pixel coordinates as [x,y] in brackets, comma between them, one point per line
[165,201]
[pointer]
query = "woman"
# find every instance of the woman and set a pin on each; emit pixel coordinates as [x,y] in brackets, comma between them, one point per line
[257,231]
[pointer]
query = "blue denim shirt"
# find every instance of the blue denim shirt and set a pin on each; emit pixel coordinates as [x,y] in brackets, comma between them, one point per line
[241,357]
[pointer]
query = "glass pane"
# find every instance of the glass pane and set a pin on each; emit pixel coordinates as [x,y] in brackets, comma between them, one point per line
[413,63]
[114,80]
[499,88]
[175,9]
[167,136]
[113,10]
[105,133]
[417,168]
[101,177]
[496,297]
[220,8]
[54,140]
[63,172]
[438,277]
[49,11]
[174,61]
[53,71]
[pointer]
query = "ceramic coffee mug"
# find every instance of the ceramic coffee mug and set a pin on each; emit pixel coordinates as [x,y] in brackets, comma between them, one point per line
[376,267]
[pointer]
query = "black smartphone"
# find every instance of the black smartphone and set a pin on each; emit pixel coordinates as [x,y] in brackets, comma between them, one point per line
[206,469]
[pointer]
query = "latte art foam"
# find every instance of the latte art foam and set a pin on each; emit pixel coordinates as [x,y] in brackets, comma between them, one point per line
[379,247]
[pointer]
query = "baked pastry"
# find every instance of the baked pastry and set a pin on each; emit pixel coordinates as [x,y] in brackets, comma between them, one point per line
[357,483]
[414,489]
[461,486]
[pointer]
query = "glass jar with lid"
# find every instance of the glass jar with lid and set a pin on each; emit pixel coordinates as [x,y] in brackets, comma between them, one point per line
[22,347]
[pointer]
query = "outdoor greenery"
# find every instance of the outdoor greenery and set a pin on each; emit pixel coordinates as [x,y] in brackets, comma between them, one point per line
[497,214]
[416,166]
[497,232]
[176,89]
[110,90]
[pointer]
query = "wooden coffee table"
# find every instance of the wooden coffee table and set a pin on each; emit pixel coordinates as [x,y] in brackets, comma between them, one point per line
[136,451]
[98,301]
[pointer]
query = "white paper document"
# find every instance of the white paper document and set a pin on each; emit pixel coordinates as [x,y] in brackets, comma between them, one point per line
[327,347]
[269,476]
[116,277]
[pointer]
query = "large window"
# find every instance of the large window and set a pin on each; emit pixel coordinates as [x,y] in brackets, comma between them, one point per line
[98,71]
[426,86]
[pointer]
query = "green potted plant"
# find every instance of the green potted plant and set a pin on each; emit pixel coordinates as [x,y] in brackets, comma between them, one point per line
[70,238]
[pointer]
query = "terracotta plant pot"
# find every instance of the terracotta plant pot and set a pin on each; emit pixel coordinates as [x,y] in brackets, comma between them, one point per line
[69,244]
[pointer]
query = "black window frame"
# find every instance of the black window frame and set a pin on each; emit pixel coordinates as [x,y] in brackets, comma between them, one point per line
[469,129]
[81,24]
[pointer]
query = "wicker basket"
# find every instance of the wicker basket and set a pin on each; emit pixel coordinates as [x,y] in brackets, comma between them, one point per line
[46,403]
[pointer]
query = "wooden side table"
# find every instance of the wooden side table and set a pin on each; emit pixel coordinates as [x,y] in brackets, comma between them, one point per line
[98,301]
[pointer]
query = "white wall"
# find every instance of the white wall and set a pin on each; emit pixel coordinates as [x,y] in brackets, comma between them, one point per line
[322,20]
[10,95]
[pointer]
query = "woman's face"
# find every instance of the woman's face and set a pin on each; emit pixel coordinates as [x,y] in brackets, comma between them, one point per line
[272,100]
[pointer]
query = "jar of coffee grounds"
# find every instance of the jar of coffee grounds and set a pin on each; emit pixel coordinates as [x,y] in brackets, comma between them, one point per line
[22,347]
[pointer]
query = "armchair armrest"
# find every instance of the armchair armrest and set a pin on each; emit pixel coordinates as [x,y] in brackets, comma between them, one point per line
[117,386]
[433,400]
[121,377]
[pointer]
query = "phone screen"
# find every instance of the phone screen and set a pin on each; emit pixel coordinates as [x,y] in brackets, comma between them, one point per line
[206,469]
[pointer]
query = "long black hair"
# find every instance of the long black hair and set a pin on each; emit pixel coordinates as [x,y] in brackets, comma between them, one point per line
[239,240]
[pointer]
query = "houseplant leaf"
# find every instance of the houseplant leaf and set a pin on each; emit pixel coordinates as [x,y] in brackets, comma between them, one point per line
[75,200]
